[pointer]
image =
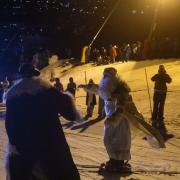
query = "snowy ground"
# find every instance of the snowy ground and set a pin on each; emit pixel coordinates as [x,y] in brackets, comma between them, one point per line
[85,140]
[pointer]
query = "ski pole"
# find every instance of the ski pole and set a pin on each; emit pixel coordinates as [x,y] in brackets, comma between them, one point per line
[148,91]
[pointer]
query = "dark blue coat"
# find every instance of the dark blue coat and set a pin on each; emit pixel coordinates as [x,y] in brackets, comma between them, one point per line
[33,126]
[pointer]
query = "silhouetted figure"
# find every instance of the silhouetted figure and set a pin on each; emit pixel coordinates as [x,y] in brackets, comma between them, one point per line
[134,51]
[58,85]
[88,54]
[71,87]
[90,101]
[104,55]
[37,145]
[160,91]
[128,52]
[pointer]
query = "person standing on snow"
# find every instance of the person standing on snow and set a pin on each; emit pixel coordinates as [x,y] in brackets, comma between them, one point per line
[71,87]
[90,101]
[160,91]
[112,53]
[58,85]
[127,52]
[37,145]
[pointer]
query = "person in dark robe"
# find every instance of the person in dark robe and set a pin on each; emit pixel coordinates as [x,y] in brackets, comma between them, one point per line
[58,85]
[160,92]
[71,87]
[37,145]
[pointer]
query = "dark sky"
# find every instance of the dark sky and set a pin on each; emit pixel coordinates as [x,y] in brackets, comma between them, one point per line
[131,19]
[56,24]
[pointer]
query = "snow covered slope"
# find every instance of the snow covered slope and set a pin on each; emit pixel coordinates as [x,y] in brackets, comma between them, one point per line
[85,139]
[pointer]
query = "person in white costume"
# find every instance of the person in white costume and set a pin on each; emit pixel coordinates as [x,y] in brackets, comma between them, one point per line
[117,137]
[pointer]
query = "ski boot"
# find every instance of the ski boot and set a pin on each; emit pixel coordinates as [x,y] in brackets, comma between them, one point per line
[115,166]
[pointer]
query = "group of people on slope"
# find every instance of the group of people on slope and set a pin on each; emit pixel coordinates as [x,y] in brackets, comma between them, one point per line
[37,145]
[90,97]
[71,86]
[114,53]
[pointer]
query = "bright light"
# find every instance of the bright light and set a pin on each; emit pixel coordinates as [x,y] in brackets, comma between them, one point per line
[167,2]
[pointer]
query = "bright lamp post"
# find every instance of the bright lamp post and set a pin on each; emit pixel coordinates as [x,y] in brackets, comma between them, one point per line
[154,21]
[152,29]
[159,3]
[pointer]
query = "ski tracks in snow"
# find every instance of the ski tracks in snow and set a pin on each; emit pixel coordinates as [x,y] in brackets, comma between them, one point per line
[89,152]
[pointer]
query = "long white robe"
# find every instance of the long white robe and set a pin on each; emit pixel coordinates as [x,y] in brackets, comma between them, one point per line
[117,137]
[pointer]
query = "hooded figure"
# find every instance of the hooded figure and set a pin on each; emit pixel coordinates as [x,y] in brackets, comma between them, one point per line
[117,137]
[160,91]
[37,145]
[58,85]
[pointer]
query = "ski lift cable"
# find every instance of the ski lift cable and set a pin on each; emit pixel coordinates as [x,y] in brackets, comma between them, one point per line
[106,20]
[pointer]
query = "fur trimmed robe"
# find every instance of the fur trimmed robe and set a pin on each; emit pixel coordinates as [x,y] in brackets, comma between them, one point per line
[37,145]
[117,135]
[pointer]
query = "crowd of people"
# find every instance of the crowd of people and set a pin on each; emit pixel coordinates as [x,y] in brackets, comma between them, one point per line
[90,97]
[163,48]
[114,53]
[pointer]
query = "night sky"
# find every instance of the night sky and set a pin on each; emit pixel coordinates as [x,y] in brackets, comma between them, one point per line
[28,26]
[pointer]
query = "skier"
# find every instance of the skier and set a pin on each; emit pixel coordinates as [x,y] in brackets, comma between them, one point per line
[160,91]
[37,145]
[71,87]
[90,101]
